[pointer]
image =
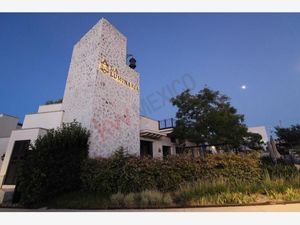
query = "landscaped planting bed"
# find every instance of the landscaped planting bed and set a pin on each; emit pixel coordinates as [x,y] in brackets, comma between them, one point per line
[58,174]
[124,181]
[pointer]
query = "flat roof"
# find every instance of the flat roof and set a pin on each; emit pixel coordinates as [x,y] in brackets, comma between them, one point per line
[3,114]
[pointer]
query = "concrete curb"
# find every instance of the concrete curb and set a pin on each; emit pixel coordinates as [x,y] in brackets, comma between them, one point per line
[170,207]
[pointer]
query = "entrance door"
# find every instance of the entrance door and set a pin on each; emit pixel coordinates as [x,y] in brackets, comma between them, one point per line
[166,151]
[18,154]
[146,149]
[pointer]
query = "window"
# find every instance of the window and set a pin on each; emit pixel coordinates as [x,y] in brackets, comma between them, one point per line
[19,151]
[146,149]
[166,151]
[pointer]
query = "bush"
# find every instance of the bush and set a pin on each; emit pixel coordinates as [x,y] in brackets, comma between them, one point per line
[50,102]
[279,169]
[199,189]
[291,194]
[117,200]
[219,192]
[107,175]
[96,176]
[154,198]
[143,199]
[130,200]
[226,192]
[126,174]
[54,164]
[233,167]
[167,199]
[232,198]
[80,200]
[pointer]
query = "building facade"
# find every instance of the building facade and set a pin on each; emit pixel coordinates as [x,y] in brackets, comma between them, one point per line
[7,125]
[102,93]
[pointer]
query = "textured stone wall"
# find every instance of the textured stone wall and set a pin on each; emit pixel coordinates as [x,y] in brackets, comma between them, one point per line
[97,98]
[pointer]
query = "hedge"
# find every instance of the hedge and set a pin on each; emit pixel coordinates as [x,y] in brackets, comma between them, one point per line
[53,165]
[126,174]
[279,169]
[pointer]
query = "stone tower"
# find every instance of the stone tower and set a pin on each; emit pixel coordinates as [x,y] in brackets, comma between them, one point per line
[102,92]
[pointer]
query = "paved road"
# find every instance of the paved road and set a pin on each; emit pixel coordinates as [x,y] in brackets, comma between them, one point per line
[261,208]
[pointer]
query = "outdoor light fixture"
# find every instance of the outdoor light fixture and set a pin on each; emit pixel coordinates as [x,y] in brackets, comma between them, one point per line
[132,61]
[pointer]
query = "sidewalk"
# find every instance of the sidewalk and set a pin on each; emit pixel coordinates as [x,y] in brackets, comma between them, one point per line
[259,208]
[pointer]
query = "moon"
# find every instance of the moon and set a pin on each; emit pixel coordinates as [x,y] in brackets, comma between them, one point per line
[244,87]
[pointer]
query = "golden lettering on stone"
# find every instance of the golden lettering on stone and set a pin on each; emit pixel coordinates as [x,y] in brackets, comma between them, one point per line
[104,67]
[114,74]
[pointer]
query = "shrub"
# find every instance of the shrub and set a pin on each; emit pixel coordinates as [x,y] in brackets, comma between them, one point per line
[54,164]
[130,200]
[225,192]
[291,194]
[50,102]
[117,200]
[96,176]
[279,169]
[232,198]
[138,175]
[79,200]
[167,199]
[199,189]
[127,174]
[107,175]
[233,167]
[143,199]
[154,198]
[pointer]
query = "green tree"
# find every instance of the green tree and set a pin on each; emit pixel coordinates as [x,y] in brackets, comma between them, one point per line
[253,141]
[289,135]
[50,102]
[208,118]
[53,165]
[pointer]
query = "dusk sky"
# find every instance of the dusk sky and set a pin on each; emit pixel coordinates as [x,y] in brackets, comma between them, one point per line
[252,58]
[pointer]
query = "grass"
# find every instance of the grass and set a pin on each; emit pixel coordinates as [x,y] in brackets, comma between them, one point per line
[193,194]
[200,193]
[117,200]
[80,200]
[222,193]
[145,199]
[85,200]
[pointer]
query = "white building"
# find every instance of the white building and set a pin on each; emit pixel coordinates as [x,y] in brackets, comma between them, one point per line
[47,117]
[260,130]
[102,93]
[7,125]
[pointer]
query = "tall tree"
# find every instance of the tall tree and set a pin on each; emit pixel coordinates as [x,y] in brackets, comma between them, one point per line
[253,141]
[208,118]
[290,135]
